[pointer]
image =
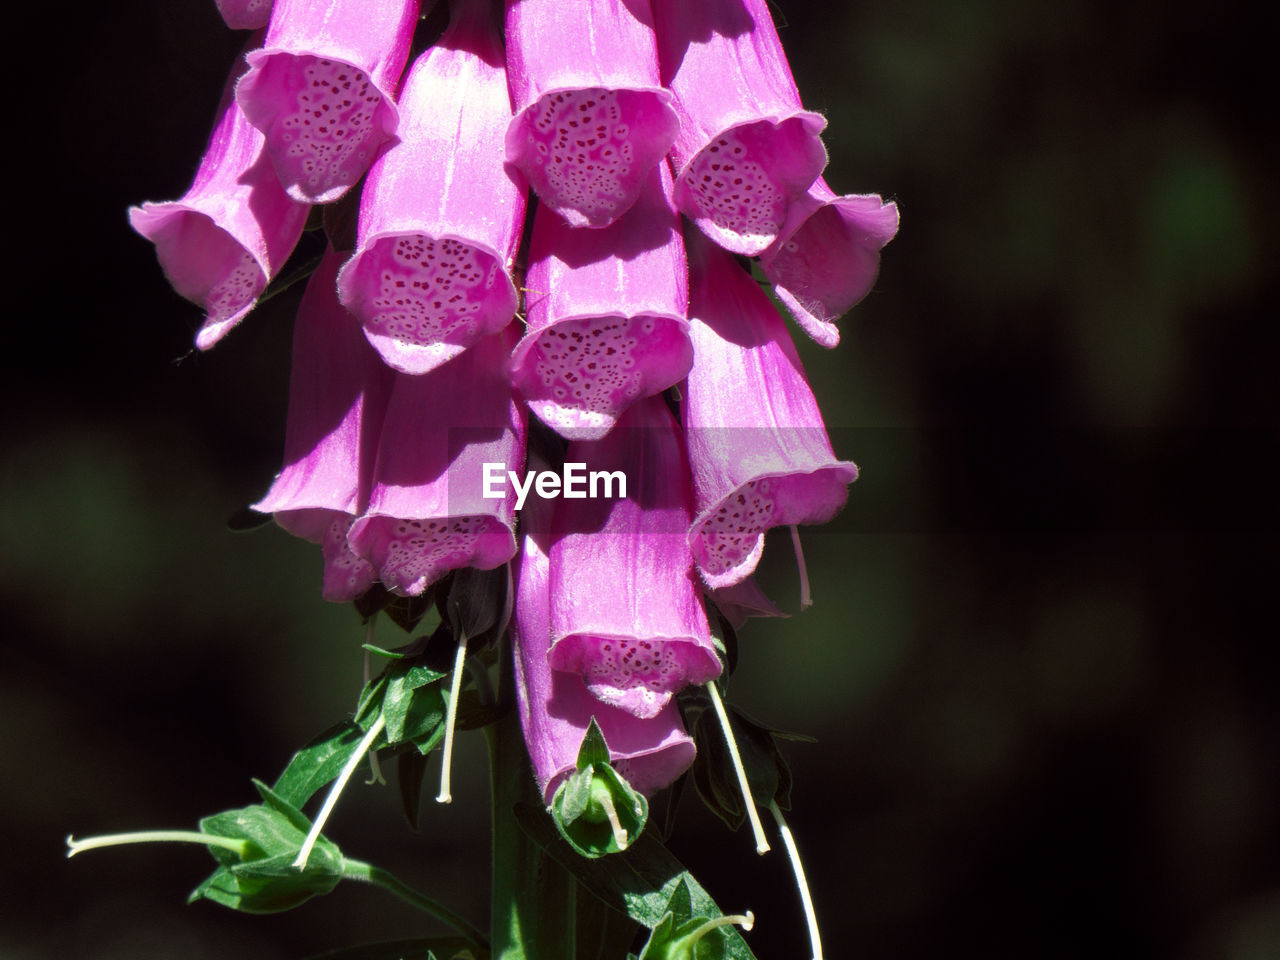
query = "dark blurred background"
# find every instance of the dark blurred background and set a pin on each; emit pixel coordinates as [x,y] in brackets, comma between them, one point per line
[1038,664]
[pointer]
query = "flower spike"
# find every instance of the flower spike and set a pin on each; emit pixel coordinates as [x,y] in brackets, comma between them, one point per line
[556,708]
[592,117]
[606,314]
[827,256]
[757,445]
[440,213]
[747,148]
[338,395]
[321,89]
[427,513]
[625,612]
[233,229]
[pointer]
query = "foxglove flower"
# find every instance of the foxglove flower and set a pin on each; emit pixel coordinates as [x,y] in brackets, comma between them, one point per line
[233,229]
[320,89]
[338,394]
[440,216]
[606,314]
[747,149]
[245,14]
[592,118]
[758,449]
[556,708]
[427,512]
[827,256]
[625,611]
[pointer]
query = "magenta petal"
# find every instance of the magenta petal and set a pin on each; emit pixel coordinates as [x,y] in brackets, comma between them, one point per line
[321,89]
[758,449]
[625,611]
[592,117]
[233,229]
[606,314]
[747,149]
[244,14]
[338,392]
[556,708]
[427,513]
[827,256]
[743,600]
[440,215]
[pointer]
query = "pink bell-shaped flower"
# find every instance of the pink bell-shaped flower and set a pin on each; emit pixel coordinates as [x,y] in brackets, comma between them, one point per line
[440,214]
[758,449]
[625,610]
[592,117]
[606,314]
[338,392]
[232,230]
[428,513]
[747,149]
[827,256]
[321,89]
[556,708]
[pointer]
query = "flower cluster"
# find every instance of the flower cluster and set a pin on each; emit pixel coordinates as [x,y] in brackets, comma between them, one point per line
[663,143]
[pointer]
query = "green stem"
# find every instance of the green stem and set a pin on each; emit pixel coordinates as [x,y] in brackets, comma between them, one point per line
[74,846]
[359,870]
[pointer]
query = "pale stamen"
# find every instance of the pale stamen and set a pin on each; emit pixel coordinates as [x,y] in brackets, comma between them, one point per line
[74,846]
[762,844]
[455,691]
[806,599]
[619,835]
[304,852]
[789,842]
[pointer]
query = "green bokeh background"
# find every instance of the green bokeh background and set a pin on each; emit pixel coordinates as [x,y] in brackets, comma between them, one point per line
[1038,666]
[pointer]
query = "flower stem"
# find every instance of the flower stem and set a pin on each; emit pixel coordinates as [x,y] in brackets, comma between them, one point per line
[806,599]
[304,852]
[762,844]
[455,691]
[789,842]
[367,872]
[74,846]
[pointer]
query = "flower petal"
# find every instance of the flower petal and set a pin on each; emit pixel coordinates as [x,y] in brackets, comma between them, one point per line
[440,215]
[321,88]
[827,256]
[427,514]
[625,612]
[232,230]
[606,314]
[592,118]
[758,449]
[747,149]
[556,708]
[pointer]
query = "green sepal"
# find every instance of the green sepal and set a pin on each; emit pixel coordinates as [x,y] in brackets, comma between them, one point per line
[409,696]
[640,882]
[579,807]
[405,612]
[768,774]
[478,606]
[427,948]
[316,764]
[264,879]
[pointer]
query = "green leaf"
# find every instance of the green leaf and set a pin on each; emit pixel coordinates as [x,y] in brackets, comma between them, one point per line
[429,948]
[316,764]
[685,934]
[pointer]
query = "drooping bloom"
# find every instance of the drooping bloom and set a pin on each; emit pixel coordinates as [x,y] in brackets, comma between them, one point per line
[234,227]
[321,89]
[556,708]
[747,149]
[827,256]
[758,450]
[427,511]
[592,117]
[244,14]
[440,215]
[606,314]
[338,394]
[625,612]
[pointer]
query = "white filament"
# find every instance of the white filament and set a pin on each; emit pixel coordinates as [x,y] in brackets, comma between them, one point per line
[762,844]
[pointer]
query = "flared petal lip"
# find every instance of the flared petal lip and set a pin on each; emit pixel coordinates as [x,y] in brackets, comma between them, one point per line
[409,357]
[844,471]
[538,405]
[149,218]
[388,114]
[484,558]
[814,124]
